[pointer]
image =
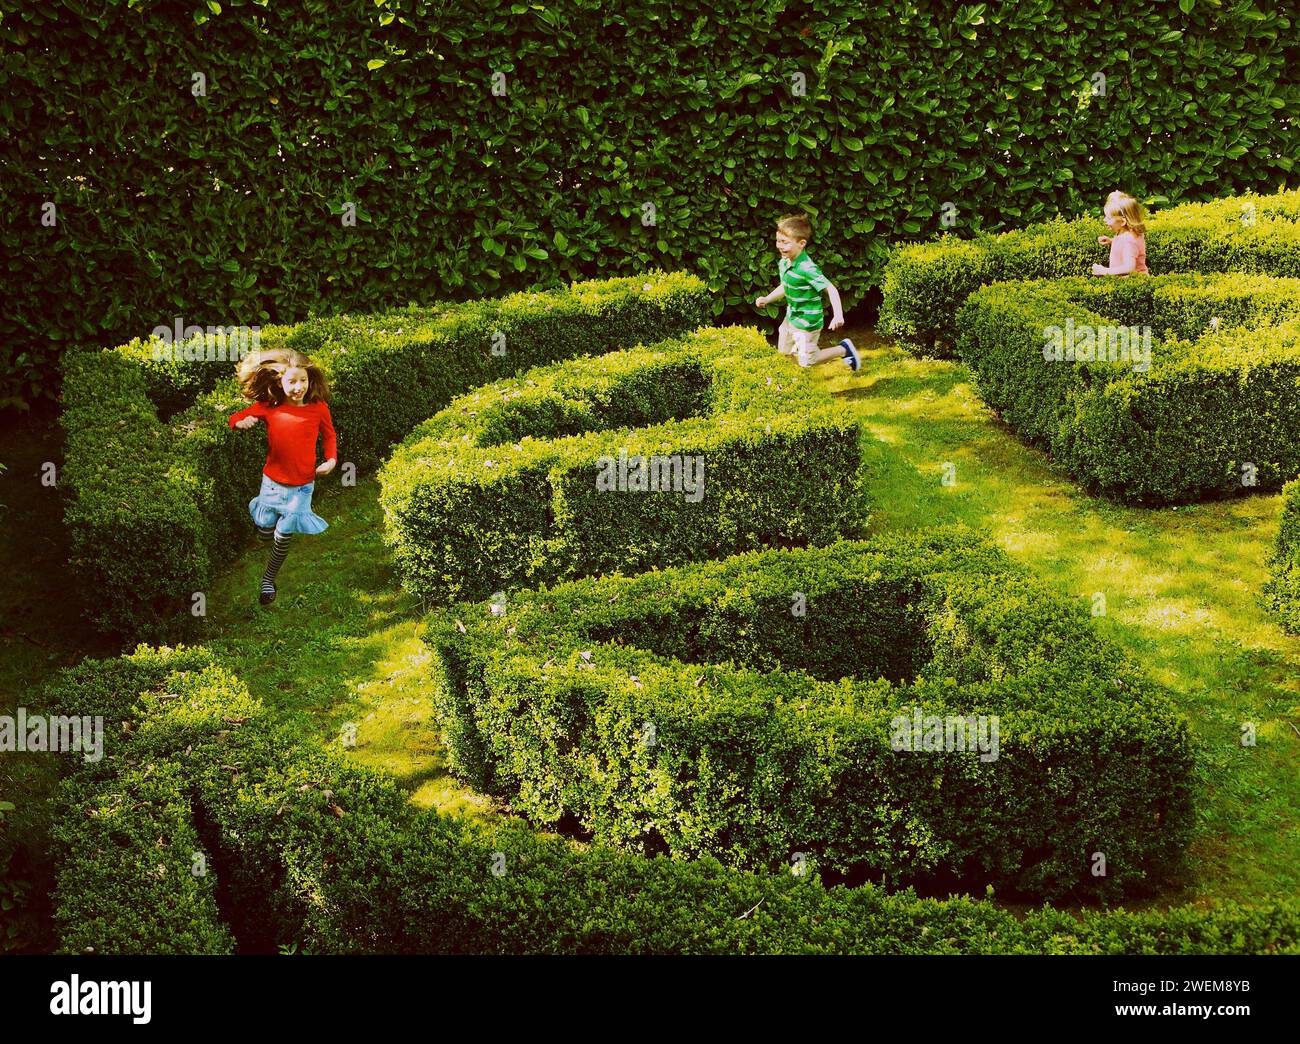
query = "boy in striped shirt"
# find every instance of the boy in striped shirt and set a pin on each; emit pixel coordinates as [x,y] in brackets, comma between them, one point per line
[801,287]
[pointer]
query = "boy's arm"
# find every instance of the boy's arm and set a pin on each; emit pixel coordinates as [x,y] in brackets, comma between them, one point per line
[837,308]
[776,295]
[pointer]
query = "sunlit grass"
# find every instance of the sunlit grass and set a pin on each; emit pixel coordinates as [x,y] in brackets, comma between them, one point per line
[337,652]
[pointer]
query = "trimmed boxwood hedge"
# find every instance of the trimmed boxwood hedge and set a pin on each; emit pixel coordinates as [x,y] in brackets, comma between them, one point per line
[1282,589]
[126,839]
[1217,412]
[925,284]
[128,873]
[771,729]
[158,486]
[502,488]
[309,849]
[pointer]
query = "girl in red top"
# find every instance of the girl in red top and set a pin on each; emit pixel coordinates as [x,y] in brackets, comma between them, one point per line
[290,394]
[1128,249]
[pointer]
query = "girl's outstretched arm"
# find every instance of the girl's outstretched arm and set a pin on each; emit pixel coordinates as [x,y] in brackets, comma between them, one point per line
[246,418]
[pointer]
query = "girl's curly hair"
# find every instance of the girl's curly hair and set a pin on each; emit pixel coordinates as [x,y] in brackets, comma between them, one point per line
[260,372]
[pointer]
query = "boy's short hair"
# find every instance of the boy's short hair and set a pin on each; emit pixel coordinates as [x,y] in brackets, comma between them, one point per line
[796,226]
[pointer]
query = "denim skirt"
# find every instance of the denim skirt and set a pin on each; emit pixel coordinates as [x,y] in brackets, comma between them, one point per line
[288,508]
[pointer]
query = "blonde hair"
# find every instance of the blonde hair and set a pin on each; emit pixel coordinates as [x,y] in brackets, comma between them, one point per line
[1124,206]
[259,376]
[796,226]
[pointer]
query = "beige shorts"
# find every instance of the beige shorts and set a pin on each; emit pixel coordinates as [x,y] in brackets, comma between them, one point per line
[802,344]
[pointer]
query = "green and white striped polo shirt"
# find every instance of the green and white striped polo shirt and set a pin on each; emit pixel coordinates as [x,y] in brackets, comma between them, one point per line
[804,283]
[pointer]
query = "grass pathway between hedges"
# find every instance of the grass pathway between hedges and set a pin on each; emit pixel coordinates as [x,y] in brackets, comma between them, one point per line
[339,645]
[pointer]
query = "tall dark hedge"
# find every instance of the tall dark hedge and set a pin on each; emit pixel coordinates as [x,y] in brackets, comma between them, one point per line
[226,208]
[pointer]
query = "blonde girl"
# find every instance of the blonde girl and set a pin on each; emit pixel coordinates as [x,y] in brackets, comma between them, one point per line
[1128,246]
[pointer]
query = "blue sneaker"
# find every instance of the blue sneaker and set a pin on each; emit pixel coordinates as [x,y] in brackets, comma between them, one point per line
[851,354]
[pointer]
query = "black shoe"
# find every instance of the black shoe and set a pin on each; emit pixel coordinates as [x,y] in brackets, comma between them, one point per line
[265,598]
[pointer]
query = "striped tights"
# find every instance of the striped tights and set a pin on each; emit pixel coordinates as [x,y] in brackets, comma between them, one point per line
[278,553]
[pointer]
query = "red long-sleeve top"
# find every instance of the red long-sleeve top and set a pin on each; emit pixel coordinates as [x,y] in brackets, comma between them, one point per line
[291,434]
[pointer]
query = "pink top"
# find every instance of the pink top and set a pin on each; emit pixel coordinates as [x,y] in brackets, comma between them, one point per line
[1125,248]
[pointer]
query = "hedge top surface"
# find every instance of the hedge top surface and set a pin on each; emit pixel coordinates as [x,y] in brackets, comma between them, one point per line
[1205,321]
[175,381]
[1247,219]
[336,336]
[967,615]
[578,409]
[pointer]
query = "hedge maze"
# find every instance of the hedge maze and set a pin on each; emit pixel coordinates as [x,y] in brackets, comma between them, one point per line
[535,478]
[1155,390]
[631,635]
[926,284]
[660,629]
[158,485]
[298,843]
